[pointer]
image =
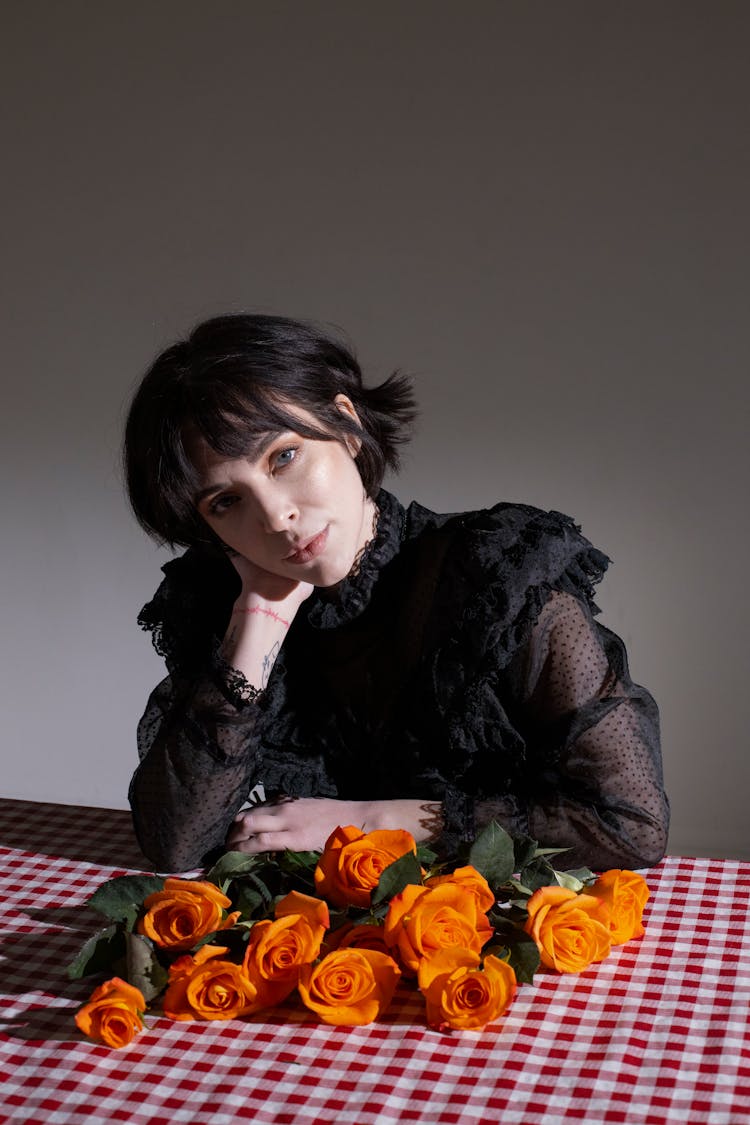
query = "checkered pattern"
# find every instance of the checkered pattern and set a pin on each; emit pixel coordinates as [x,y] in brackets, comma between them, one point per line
[657,1033]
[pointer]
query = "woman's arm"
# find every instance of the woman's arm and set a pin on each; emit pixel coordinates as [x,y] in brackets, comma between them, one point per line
[198,754]
[198,737]
[305,823]
[593,781]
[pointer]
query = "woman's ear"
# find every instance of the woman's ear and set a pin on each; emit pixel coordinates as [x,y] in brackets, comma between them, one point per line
[346,406]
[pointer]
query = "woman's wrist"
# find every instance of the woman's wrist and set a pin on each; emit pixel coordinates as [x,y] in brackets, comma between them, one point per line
[263,610]
[255,633]
[422,817]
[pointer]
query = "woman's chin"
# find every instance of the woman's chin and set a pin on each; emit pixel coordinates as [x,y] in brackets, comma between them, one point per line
[330,573]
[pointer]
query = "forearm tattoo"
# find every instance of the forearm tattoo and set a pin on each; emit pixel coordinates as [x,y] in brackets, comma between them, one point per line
[268,662]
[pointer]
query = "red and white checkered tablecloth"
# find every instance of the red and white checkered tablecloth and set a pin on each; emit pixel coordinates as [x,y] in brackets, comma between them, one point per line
[658,1033]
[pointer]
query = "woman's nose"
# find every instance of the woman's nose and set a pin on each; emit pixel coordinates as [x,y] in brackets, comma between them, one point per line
[277,513]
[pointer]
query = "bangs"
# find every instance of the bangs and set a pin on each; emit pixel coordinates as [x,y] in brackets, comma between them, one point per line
[240,425]
[233,423]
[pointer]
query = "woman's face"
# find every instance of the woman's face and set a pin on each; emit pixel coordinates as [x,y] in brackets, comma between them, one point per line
[298,509]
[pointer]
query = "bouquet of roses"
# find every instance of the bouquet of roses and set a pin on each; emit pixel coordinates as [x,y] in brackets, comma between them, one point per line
[343,928]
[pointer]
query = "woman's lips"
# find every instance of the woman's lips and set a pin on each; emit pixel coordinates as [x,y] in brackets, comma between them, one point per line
[310,550]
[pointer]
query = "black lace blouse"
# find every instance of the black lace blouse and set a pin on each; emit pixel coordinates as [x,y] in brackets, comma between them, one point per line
[461,664]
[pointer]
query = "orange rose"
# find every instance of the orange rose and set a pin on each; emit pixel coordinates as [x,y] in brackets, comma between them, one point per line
[313,910]
[459,994]
[422,920]
[471,880]
[626,894]
[184,912]
[352,862]
[358,936]
[205,987]
[277,950]
[349,987]
[113,1015]
[571,930]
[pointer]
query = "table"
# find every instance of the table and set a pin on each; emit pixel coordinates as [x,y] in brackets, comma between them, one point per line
[657,1033]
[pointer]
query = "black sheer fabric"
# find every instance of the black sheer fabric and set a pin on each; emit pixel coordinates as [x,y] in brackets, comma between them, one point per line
[461,664]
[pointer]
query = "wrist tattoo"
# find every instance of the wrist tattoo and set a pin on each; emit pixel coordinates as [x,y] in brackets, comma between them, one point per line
[267,612]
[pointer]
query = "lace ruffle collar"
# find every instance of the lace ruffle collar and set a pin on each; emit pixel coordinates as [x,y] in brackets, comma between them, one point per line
[338,604]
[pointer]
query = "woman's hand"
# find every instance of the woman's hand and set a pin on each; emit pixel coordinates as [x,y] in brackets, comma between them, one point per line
[305,823]
[260,620]
[261,585]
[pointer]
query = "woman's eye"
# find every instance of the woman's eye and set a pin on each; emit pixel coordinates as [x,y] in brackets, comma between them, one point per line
[220,504]
[285,457]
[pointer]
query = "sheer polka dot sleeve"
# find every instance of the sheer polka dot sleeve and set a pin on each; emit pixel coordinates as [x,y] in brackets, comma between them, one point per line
[198,756]
[594,780]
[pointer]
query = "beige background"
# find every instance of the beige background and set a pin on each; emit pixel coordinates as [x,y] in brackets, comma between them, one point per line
[539,209]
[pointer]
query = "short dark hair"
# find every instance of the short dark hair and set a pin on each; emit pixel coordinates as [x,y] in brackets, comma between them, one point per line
[231,383]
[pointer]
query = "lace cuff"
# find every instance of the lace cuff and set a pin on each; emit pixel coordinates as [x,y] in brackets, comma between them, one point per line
[234,687]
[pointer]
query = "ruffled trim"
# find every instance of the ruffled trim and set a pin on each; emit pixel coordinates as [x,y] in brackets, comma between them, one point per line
[504,564]
[187,618]
[507,561]
[187,612]
[334,606]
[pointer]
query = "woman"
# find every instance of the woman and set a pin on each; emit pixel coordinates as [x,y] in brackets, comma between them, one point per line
[356,662]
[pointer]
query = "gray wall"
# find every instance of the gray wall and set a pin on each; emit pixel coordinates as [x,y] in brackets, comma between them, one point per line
[540,209]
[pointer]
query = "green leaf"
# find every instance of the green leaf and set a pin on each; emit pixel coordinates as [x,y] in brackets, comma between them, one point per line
[294,862]
[512,944]
[524,850]
[248,900]
[232,865]
[99,953]
[121,899]
[252,896]
[524,958]
[492,854]
[425,855]
[568,880]
[584,874]
[399,874]
[538,873]
[520,888]
[143,969]
[256,883]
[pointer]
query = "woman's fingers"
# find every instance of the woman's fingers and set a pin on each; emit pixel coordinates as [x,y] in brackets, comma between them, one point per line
[264,842]
[262,830]
[260,820]
[272,818]
[303,824]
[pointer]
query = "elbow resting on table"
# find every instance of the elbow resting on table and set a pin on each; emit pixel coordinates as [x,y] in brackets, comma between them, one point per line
[169,852]
[649,833]
[634,845]
[171,859]
[647,855]
[604,838]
